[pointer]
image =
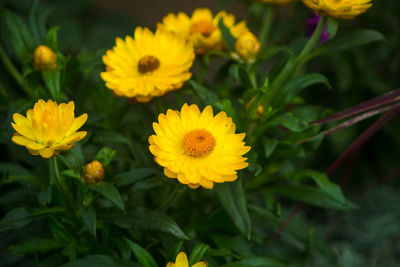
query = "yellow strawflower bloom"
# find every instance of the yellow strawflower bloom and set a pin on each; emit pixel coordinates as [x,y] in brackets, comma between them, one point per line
[44,58]
[197,148]
[93,172]
[147,65]
[342,9]
[182,261]
[202,28]
[247,46]
[276,2]
[48,128]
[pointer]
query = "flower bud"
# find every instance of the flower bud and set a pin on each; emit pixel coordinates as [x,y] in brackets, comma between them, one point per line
[44,58]
[260,108]
[93,172]
[247,46]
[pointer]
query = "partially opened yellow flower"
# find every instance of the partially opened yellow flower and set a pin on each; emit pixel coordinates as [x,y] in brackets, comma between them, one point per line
[247,46]
[48,128]
[148,65]
[276,2]
[202,28]
[44,58]
[197,148]
[182,261]
[342,9]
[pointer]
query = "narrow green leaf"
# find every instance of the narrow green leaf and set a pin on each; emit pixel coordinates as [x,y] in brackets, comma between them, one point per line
[146,219]
[332,27]
[132,176]
[36,245]
[173,252]
[105,155]
[112,137]
[97,261]
[15,218]
[89,219]
[146,184]
[350,40]
[51,38]
[206,95]
[295,86]
[197,254]
[310,195]
[256,262]
[52,81]
[110,192]
[233,199]
[45,197]
[142,256]
[227,35]
[269,145]
[291,122]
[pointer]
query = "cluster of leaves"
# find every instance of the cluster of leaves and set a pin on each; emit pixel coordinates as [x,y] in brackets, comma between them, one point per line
[137,217]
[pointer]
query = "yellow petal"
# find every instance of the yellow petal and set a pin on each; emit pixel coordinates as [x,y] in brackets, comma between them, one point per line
[23,130]
[76,124]
[170,264]
[200,264]
[46,152]
[21,120]
[20,140]
[34,146]
[182,260]
[73,138]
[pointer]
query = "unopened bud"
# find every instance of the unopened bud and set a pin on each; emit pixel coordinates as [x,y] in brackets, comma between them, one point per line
[247,46]
[44,58]
[93,172]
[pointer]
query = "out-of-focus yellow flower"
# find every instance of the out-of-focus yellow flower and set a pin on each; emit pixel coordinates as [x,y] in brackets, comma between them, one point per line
[44,58]
[202,28]
[182,261]
[148,65]
[48,128]
[247,46]
[197,148]
[93,172]
[342,9]
[276,2]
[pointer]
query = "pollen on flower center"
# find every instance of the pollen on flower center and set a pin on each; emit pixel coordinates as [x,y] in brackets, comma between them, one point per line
[148,64]
[205,27]
[198,143]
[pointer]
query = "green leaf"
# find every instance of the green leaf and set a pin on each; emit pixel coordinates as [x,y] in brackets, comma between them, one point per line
[350,40]
[173,252]
[206,95]
[332,27]
[142,256]
[15,218]
[295,86]
[105,155]
[45,196]
[89,219]
[98,261]
[52,81]
[15,173]
[226,106]
[289,121]
[146,184]
[256,262]
[269,145]
[112,137]
[310,195]
[21,38]
[132,176]
[227,36]
[146,219]
[51,38]
[110,192]
[233,199]
[197,254]
[329,187]
[36,245]
[73,158]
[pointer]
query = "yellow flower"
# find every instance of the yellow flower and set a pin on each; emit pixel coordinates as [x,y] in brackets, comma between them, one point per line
[48,128]
[147,65]
[182,261]
[44,58]
[342,9]
[247,46]
[93,172]
[276,2]
[202,28]
[197,148]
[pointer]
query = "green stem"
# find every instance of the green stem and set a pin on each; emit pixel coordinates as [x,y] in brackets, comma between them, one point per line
[58,182]
[292,66]
[48,211]
[266,25]
[15,73]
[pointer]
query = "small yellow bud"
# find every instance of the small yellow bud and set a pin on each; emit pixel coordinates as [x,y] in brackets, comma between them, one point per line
[93,172]
[44,58]
[247,46]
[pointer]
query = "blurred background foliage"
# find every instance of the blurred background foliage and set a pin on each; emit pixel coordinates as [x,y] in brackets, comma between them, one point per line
[369,236]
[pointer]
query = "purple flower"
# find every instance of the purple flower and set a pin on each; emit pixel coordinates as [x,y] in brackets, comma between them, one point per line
[310,25]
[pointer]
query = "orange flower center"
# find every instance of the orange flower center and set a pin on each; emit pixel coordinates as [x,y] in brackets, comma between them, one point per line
[205,27]
[148,64]
[198,143]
